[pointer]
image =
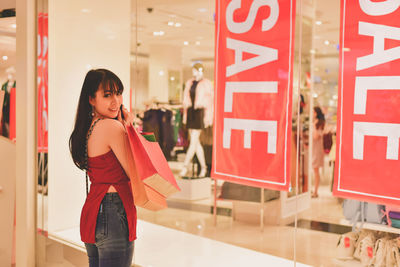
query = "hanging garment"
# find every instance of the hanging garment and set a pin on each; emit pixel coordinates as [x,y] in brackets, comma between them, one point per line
[12,122]
[6,111]
[159,122]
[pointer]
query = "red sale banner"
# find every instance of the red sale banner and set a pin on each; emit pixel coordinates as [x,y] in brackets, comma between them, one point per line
[42,72]
[368,133]
[253,97]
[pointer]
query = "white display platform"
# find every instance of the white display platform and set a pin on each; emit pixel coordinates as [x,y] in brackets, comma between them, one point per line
[193,189]
[159,246]
[373,226]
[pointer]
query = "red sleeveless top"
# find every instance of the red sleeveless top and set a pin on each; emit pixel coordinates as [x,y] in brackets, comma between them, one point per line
[104,171]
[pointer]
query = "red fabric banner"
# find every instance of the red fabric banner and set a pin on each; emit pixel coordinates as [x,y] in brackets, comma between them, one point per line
[42,73]
[253,98]
[368,133]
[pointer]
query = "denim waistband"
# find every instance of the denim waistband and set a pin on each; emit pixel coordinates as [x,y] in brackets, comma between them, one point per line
[110,197]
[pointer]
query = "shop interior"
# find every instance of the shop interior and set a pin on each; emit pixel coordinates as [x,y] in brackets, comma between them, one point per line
[170,45]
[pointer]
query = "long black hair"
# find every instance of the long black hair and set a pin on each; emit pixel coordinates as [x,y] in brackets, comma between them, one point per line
[93,81]
[320,118]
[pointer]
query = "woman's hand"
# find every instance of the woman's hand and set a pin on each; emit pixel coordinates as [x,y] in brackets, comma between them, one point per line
[127,116]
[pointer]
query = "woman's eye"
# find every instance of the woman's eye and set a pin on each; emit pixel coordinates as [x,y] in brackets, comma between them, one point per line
[107,95]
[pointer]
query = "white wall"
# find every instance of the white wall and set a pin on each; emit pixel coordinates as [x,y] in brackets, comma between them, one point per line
[162,58]
[79,39]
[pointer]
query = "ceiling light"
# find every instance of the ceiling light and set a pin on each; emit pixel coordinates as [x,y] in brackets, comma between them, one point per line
[5,58]
[178,24]
[170,23]
[318,22]
[160,33]
[335,97]
[315,95]
[326,42]
[172,78]
[186,43]
[161,73]
[85,10]
[197,42]
[312,51]
[202,10]
[14,25]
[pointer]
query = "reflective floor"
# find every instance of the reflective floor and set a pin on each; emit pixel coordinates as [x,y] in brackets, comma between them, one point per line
[184,236]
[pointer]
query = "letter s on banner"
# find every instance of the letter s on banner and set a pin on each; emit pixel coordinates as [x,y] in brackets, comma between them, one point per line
[253,97]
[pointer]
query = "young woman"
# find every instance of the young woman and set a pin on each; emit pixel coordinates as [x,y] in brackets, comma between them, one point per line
[99,145]
[317,147]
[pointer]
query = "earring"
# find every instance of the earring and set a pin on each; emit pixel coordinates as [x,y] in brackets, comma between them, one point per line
[91,113]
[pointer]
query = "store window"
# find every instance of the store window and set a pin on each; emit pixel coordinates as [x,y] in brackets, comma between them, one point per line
[165,53]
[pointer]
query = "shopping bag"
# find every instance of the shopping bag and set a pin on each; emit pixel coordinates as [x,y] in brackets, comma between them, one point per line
[143,195]
[151,165]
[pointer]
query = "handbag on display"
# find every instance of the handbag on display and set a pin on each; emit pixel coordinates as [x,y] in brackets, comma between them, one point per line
[357,251]
[391,210]
[392,254]
[151,166]
[374,213]
[346,246]
[367,246]
[380,252]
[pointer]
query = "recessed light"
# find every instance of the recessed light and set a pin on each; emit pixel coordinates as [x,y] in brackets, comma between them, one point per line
[178,24]
[159,33]
[85,10]
[197,42]
[202,10]
[326,42]
[14,26]
[5,58]
[186,43]
[312,51]
[315,95]
[161,73]
[170,23]
[318,22]
[172,78]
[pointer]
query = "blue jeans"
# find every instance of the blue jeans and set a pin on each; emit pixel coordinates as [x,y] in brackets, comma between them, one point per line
[112,247]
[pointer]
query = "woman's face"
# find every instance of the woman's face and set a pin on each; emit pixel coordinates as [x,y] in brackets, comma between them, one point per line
[105,103]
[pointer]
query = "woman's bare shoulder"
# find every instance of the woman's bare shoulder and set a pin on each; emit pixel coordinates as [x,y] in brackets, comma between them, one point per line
[111,126]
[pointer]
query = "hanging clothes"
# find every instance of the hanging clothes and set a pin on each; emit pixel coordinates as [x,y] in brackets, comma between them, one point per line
[160,123]
[5,120]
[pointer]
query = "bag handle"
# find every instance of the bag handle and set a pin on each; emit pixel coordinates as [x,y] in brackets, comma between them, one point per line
[86,153]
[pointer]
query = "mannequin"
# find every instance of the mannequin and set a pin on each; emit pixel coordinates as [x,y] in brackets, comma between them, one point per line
[198,102]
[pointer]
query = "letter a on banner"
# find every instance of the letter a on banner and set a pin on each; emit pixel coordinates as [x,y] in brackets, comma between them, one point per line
[368,129]
[253,98]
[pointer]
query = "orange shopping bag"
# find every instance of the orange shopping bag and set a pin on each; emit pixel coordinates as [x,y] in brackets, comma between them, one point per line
[151,165]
